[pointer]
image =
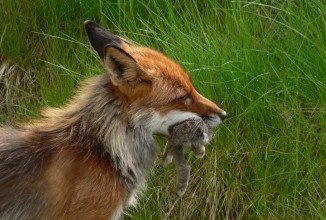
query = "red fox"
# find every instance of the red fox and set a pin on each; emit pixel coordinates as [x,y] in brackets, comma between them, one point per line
[89,158]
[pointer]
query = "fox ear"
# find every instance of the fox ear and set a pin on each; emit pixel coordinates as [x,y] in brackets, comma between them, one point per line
[99,37]
[122,67]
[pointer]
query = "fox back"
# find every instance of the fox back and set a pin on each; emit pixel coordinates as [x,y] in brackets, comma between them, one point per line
[89,158]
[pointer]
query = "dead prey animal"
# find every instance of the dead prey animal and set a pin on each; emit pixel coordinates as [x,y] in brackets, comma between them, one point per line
[193,133]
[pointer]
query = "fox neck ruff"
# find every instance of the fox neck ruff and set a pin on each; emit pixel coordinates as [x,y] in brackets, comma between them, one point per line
[96,122]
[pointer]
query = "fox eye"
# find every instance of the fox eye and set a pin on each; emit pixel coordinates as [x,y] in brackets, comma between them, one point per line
[186,99]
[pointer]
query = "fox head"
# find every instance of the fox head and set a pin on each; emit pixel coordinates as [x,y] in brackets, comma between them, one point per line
[154,90]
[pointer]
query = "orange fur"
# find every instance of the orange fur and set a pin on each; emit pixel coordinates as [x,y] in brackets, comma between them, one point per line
[93,188]
[164,72]
[77,184]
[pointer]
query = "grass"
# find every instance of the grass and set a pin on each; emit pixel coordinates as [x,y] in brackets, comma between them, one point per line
[262,61]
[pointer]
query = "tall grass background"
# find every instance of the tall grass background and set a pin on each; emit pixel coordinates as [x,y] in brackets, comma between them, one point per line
[261,61]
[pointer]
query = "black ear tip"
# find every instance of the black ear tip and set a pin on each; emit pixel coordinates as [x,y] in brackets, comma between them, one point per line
[90,24]
[100,37]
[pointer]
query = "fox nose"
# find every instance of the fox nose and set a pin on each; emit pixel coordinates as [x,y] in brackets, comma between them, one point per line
[222,114]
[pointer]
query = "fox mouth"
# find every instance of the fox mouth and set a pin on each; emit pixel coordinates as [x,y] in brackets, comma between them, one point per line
[211,121]
[162,125]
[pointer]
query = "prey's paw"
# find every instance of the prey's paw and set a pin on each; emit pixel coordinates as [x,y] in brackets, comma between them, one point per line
[181,190]
[183,175]
[167,160]
[199,151]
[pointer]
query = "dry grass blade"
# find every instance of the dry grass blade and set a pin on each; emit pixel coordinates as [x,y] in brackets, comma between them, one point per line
[16,86]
